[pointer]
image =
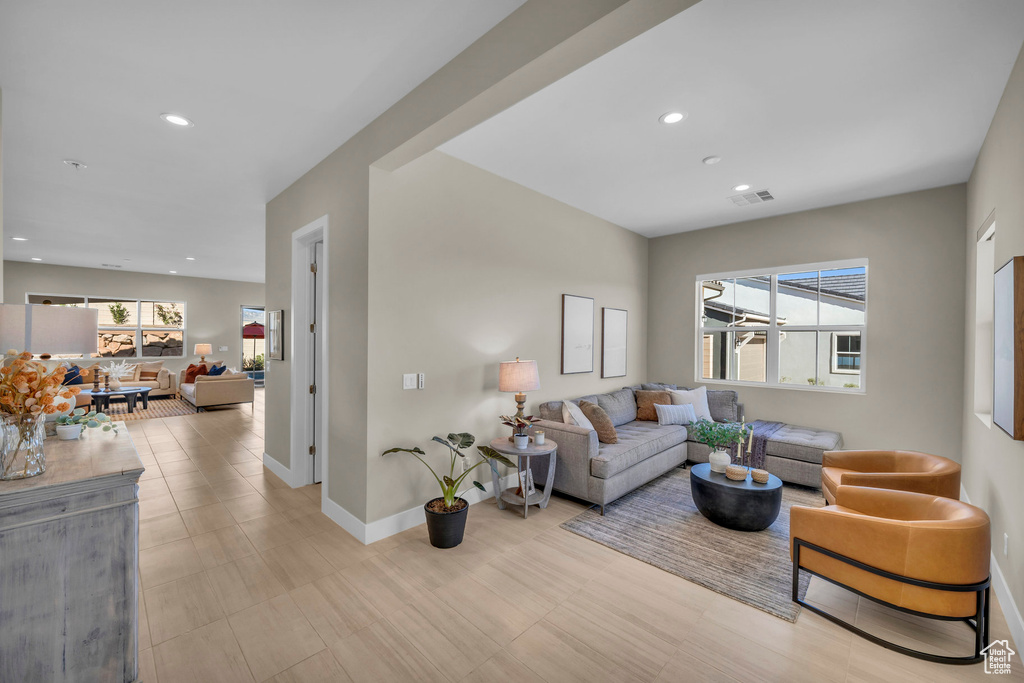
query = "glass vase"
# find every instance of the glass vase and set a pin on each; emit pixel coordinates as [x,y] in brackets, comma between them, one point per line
[21,446]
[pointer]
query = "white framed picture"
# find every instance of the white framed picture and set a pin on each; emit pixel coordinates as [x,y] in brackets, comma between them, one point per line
[275,335]
[613,342]
[577,334]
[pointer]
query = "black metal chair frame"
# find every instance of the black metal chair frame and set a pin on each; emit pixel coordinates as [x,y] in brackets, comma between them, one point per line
[979,622]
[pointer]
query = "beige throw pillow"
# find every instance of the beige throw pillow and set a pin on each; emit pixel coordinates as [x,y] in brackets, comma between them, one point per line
[698,398]
[601,422]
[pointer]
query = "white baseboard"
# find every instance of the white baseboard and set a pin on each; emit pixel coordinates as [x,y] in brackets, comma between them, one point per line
[399,522]
[281,471]
[1002,591]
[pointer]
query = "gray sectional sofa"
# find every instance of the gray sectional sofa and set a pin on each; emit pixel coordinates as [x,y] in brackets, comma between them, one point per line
[600,473]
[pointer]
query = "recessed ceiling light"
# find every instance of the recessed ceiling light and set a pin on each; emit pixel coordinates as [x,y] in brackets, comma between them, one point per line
[36,259]
[77,165]
[20,239]
[177,120]
[741,188]
[190,258]
[711,161]
[673,117]
[173,272]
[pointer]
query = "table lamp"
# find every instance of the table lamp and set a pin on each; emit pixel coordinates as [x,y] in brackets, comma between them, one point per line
[45,330]
[202,350]
[518,376]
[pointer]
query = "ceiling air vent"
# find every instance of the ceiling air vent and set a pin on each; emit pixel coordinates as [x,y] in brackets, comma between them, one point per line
[748,198]
[110,265]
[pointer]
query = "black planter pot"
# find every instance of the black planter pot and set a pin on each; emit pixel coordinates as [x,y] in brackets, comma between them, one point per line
[446,528]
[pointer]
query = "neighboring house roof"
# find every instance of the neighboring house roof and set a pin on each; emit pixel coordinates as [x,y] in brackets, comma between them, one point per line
[849,286]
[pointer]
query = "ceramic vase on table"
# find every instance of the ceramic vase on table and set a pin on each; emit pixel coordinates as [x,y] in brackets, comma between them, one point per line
[115,383]
[522,441]
[719,460]
[21,446]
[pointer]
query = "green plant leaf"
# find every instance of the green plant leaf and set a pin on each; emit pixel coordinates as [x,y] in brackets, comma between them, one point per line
[491,454]
[462,439]
[107,428]
[479,486]
[414,450]
[91,414]
[92,423]
[79,411]
[449,482]
[446,444]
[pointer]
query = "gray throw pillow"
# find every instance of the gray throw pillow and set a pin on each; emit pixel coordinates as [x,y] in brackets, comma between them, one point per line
[723,406]
[656,386]
[620,406]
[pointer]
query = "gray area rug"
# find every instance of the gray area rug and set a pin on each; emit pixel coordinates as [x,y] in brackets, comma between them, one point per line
[659,524]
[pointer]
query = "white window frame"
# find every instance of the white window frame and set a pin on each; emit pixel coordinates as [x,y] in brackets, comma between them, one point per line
[773,329]
[834,360]
[137,329]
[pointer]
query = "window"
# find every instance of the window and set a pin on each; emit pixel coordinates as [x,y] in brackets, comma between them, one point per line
[130,328]
[800,326]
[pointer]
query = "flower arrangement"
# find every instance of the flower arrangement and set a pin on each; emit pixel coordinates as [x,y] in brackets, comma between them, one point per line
[27,387]
[520,425]
[119,370]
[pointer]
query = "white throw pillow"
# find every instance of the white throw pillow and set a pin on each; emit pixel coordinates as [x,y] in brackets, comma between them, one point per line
[698,398]
[573,415]
[675,414]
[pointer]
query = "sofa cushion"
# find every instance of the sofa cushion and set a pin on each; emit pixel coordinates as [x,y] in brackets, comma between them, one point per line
[149,372]
[803,443]
[217,370]
[192,372]
[572,414]
[620,406]
[698,398]
[600,421]
[645,401]
[188,390]
[72,376]
[637,441]
[657,386]
[551,411]
[675,415]
[723,406]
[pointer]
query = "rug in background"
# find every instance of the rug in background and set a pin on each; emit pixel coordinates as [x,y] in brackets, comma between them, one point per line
[659,524]
[158,407]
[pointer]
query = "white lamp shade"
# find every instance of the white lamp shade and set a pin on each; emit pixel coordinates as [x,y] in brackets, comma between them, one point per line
[203,349]
[49,329]
[518,376]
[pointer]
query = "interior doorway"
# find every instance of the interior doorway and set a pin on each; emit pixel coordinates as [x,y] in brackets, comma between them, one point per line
[253,343]
[310,390]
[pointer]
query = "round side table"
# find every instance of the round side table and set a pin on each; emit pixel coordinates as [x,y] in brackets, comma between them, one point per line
[540,498]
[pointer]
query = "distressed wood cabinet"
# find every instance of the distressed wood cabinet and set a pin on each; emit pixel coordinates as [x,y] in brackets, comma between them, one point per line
[69,555]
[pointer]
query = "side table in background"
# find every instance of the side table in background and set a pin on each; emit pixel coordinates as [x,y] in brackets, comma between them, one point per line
[540,498]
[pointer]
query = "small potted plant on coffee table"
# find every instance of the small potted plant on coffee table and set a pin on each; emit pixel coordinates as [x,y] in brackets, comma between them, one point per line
[446,516]
[718,436]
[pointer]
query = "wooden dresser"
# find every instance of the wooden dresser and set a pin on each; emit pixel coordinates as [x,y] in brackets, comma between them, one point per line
[69,555]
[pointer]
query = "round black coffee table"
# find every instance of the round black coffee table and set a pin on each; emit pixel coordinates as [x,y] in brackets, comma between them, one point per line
[741,505]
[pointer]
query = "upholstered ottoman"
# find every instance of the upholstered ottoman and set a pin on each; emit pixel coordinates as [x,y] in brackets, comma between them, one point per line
[793,453]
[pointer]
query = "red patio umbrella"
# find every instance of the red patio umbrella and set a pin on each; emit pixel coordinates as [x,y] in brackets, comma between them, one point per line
[252,331]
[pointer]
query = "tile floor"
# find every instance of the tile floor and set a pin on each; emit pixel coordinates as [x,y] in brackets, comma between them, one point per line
[243,579]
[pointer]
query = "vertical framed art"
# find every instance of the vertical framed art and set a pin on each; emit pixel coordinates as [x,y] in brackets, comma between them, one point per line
[275,335]
[1008,356]
[613,342]
[577,334]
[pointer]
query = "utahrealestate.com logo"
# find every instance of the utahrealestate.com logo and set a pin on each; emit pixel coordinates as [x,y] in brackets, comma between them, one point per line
[997,657]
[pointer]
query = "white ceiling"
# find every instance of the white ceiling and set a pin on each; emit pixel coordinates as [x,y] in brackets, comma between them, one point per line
[819,102]
[273,87]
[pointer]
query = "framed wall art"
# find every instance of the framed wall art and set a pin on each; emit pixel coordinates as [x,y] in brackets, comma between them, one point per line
[1008,357]
[613,342]
[275,335]
[577,334]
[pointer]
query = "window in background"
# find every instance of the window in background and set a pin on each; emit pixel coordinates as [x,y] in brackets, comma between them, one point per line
[794,326]
[130,328]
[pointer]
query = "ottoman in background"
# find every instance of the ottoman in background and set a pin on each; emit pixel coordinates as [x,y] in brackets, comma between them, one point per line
[793,454]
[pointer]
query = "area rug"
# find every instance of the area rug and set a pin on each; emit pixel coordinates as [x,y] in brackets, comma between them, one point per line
[659,524]
[158,407]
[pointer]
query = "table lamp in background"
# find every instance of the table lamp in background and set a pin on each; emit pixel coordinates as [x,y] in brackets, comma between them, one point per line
[518,376]
[202,350]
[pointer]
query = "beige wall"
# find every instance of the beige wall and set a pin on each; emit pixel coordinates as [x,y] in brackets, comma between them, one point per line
[993,462]
[467,269]
[3,237]
[213,307]
[914,352]
[533,47]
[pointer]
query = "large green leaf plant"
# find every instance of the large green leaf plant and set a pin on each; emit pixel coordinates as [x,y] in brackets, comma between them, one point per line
[455,443]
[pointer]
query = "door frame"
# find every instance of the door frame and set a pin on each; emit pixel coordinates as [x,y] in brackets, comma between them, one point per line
[303,241]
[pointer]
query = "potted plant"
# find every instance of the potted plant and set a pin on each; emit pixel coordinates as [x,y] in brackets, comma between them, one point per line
[70,426]
[718,436]
[520,429]
[117,371]
[446,516]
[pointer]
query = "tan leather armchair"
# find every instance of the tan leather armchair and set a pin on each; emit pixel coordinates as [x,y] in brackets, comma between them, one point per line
[900,470]
[919,553]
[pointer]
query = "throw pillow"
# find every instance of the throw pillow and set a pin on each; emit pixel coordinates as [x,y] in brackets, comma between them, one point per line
[192,372]
[602,423]
[675,415]
[657,386]
[645,401]
[572,415]
[698,398]
[149,372]
[620,406]
[217,370]
[724,406]
[73,376]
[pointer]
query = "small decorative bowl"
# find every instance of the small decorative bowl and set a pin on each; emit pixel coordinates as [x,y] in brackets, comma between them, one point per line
[760,476]
[736,472]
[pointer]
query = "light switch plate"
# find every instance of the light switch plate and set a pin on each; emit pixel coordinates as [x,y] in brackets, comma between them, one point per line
[409,380]
[421,378]
[222,348]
